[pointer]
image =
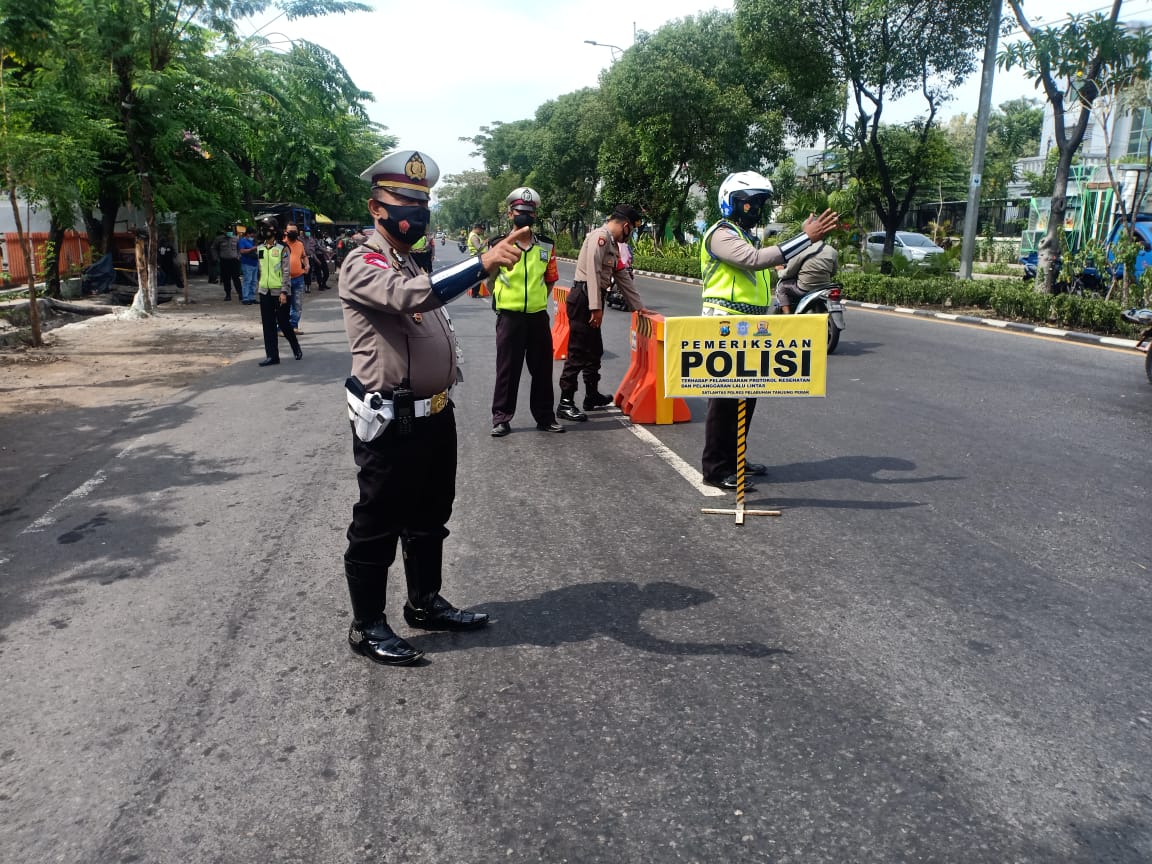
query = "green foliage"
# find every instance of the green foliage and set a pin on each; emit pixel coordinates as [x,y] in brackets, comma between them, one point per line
[680,266]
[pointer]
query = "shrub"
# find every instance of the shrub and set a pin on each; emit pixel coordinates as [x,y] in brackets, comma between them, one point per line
[673,266]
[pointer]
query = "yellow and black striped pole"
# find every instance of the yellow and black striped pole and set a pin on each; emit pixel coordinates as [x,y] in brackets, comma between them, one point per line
[741,454]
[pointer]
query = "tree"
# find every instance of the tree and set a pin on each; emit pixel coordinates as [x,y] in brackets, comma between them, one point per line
[693,102]
[149,47]
[1099,52]
[44,137]
[883,49]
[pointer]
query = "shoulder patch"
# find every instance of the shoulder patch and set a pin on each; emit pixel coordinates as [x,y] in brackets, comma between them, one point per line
[601,241]
[377,260]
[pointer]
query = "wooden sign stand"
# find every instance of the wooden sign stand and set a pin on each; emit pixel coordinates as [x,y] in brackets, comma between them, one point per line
[741,452]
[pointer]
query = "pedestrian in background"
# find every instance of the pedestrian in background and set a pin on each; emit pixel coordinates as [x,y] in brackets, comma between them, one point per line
[520,298]
[227,254]
[274,285]
[298,266]
[249,266]
[595,269]
[736,281]
[400,406]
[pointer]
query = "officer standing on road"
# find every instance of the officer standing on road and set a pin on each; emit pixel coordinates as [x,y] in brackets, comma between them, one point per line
[274,288]
[476,244]
[520,297]
[595,269]
[404,443]
[736,280]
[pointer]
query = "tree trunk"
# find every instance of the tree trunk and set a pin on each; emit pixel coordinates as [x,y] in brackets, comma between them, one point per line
[145,299]
[1049,249]
[29,264]
[52,257]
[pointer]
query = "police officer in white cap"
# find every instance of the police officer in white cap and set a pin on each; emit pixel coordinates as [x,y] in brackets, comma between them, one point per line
[399,402]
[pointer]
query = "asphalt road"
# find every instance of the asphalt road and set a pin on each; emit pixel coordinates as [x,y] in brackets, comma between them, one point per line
[939,653]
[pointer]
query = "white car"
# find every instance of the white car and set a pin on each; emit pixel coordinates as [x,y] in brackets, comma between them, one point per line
[908,244]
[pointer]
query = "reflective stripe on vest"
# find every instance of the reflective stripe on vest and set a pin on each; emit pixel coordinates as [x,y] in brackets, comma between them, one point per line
[728,283]
[271,267]
[521,288]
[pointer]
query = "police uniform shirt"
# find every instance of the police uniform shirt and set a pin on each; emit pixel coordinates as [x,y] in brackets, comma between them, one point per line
[596,265]
[815,267]
[395,324]
[729,246]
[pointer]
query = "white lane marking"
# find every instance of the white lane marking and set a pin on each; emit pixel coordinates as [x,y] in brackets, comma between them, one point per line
[81,491]
[674,461]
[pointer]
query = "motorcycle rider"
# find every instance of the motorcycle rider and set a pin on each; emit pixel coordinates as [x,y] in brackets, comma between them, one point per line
[812,270]
[736,282]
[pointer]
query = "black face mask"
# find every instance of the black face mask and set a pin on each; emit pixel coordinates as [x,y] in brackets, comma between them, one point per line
[292,235]
[750,219]
[522,220]
[406,223]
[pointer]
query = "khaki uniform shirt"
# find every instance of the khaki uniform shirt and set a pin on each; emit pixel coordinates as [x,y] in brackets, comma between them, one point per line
[395,324]
[596,266]
[813,268]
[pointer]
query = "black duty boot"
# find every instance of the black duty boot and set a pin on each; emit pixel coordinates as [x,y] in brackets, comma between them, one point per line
[567,410]
[370,634]
[426,609]
[439,614]
[595,401]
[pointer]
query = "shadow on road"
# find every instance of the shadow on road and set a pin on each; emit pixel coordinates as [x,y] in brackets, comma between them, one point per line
[579,613]
[860,468]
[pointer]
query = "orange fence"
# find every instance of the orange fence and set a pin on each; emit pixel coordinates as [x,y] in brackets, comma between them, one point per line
[560,323]
[641,393]
[73,254]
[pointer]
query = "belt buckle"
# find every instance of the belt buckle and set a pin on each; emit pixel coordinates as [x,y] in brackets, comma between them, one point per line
[438,402]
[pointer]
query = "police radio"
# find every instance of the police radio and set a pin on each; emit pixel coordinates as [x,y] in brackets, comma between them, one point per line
[403,408]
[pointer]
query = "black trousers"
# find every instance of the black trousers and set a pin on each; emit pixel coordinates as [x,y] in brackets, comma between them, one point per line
[407,487]
[230,275]
[320,268]
[523,336]
[585,346]
[721,426]
[274,314]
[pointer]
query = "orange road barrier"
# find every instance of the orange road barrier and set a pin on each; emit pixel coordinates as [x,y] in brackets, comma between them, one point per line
[560,323]
[641,393]
[484,292]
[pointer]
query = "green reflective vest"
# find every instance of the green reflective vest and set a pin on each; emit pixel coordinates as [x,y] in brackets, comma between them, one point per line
[521,287]
[271,267]
[421,244]
[727,286]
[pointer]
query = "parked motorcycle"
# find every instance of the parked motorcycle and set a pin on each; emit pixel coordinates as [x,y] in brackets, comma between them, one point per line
[823,301]
[1143,317]
[1089,282]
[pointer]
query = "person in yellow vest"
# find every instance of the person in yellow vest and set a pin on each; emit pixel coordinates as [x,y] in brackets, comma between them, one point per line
[274,287]
[476,246]
[421,253]
[520,298]
[735,275]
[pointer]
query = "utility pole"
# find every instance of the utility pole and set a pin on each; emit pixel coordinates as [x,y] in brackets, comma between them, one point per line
[972,213]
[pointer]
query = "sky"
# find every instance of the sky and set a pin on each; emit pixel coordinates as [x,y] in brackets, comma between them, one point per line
[441,70]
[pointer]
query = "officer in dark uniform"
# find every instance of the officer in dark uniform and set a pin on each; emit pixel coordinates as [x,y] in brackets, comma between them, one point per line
[595,269]
[404,442]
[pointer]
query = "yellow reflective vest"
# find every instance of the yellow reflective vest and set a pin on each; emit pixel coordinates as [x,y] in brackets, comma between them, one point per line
[742,292]
[272,267]
[521,287]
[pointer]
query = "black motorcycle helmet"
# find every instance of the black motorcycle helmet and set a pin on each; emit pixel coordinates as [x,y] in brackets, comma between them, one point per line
[269,227]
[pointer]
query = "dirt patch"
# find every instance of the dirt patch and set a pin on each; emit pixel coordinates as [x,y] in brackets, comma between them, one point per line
[110,359]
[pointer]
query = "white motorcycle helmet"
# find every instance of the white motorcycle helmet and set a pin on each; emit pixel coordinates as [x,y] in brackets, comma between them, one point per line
[738,196]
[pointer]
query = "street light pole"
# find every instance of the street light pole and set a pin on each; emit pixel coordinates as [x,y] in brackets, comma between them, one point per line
[972,212]
[614,48]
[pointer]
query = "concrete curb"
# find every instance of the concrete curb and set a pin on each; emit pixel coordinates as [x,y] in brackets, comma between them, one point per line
[1019,326]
